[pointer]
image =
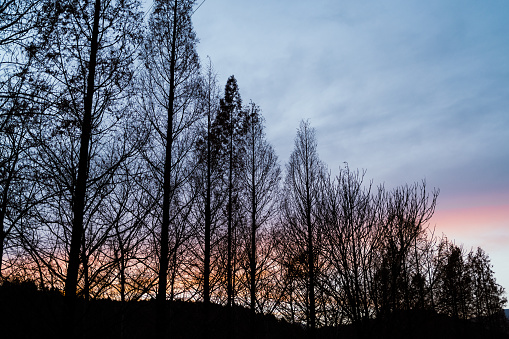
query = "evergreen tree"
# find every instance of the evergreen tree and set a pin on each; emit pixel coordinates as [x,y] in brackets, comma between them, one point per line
[229,126]
[488,296]
[455,287]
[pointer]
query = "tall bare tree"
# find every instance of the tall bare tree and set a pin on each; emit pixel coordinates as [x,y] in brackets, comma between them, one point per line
[86,60]
[301,197]
[170,92]
[260,180]
[208,156]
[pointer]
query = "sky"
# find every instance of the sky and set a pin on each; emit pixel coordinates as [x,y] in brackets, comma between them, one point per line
[408,90]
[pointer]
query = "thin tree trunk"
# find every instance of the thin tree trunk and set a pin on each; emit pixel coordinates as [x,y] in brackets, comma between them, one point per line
[253,250]
[253,241]
[81,182]
[208,221]
[122,288]
[173,273]
[84,260]
[167,189]
[2,239]
[229,273]
[3,212]
[311,261]
[312,304]
[86,271]
[230,224]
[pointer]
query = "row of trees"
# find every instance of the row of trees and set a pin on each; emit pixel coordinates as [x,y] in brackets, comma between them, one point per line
[126,173]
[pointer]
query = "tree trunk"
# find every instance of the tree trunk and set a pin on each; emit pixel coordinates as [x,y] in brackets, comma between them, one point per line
[230,223]
[2,239]
[253,244]
[208,221]
[122,276]
[173,272]
[3,212]
[86,271]
[253,251]
[122,288]
[167,189]
[311,260]
[81,182]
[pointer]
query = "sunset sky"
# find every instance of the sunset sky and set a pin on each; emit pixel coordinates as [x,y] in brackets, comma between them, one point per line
[408,90]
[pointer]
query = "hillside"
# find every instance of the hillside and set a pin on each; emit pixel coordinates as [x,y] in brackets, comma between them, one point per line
[26,312]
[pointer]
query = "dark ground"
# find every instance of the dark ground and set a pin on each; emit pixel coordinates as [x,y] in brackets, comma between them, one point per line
[26,312]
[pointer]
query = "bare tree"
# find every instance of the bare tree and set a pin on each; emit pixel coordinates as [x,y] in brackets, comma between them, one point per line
[403,216]
[351,244]
[170,92]
[18,192]
[304,173]
[85,60]
[261,177]
[260,180]
[208,158]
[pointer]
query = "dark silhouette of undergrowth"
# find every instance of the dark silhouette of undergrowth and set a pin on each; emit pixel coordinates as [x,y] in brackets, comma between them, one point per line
[27,311]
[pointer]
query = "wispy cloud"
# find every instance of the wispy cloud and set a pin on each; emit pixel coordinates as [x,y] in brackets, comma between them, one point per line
[405,89]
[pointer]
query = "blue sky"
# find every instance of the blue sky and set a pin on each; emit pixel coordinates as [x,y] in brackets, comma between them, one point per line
[407,90]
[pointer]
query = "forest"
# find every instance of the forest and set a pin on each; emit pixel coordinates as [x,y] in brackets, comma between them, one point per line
[127,173]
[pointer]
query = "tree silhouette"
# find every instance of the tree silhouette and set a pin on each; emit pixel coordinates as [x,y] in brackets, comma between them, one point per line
[86,59]
[230,127]
[304,173]
[260,180]
[352,245]
[170,89]
[126,175]
[488,296]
